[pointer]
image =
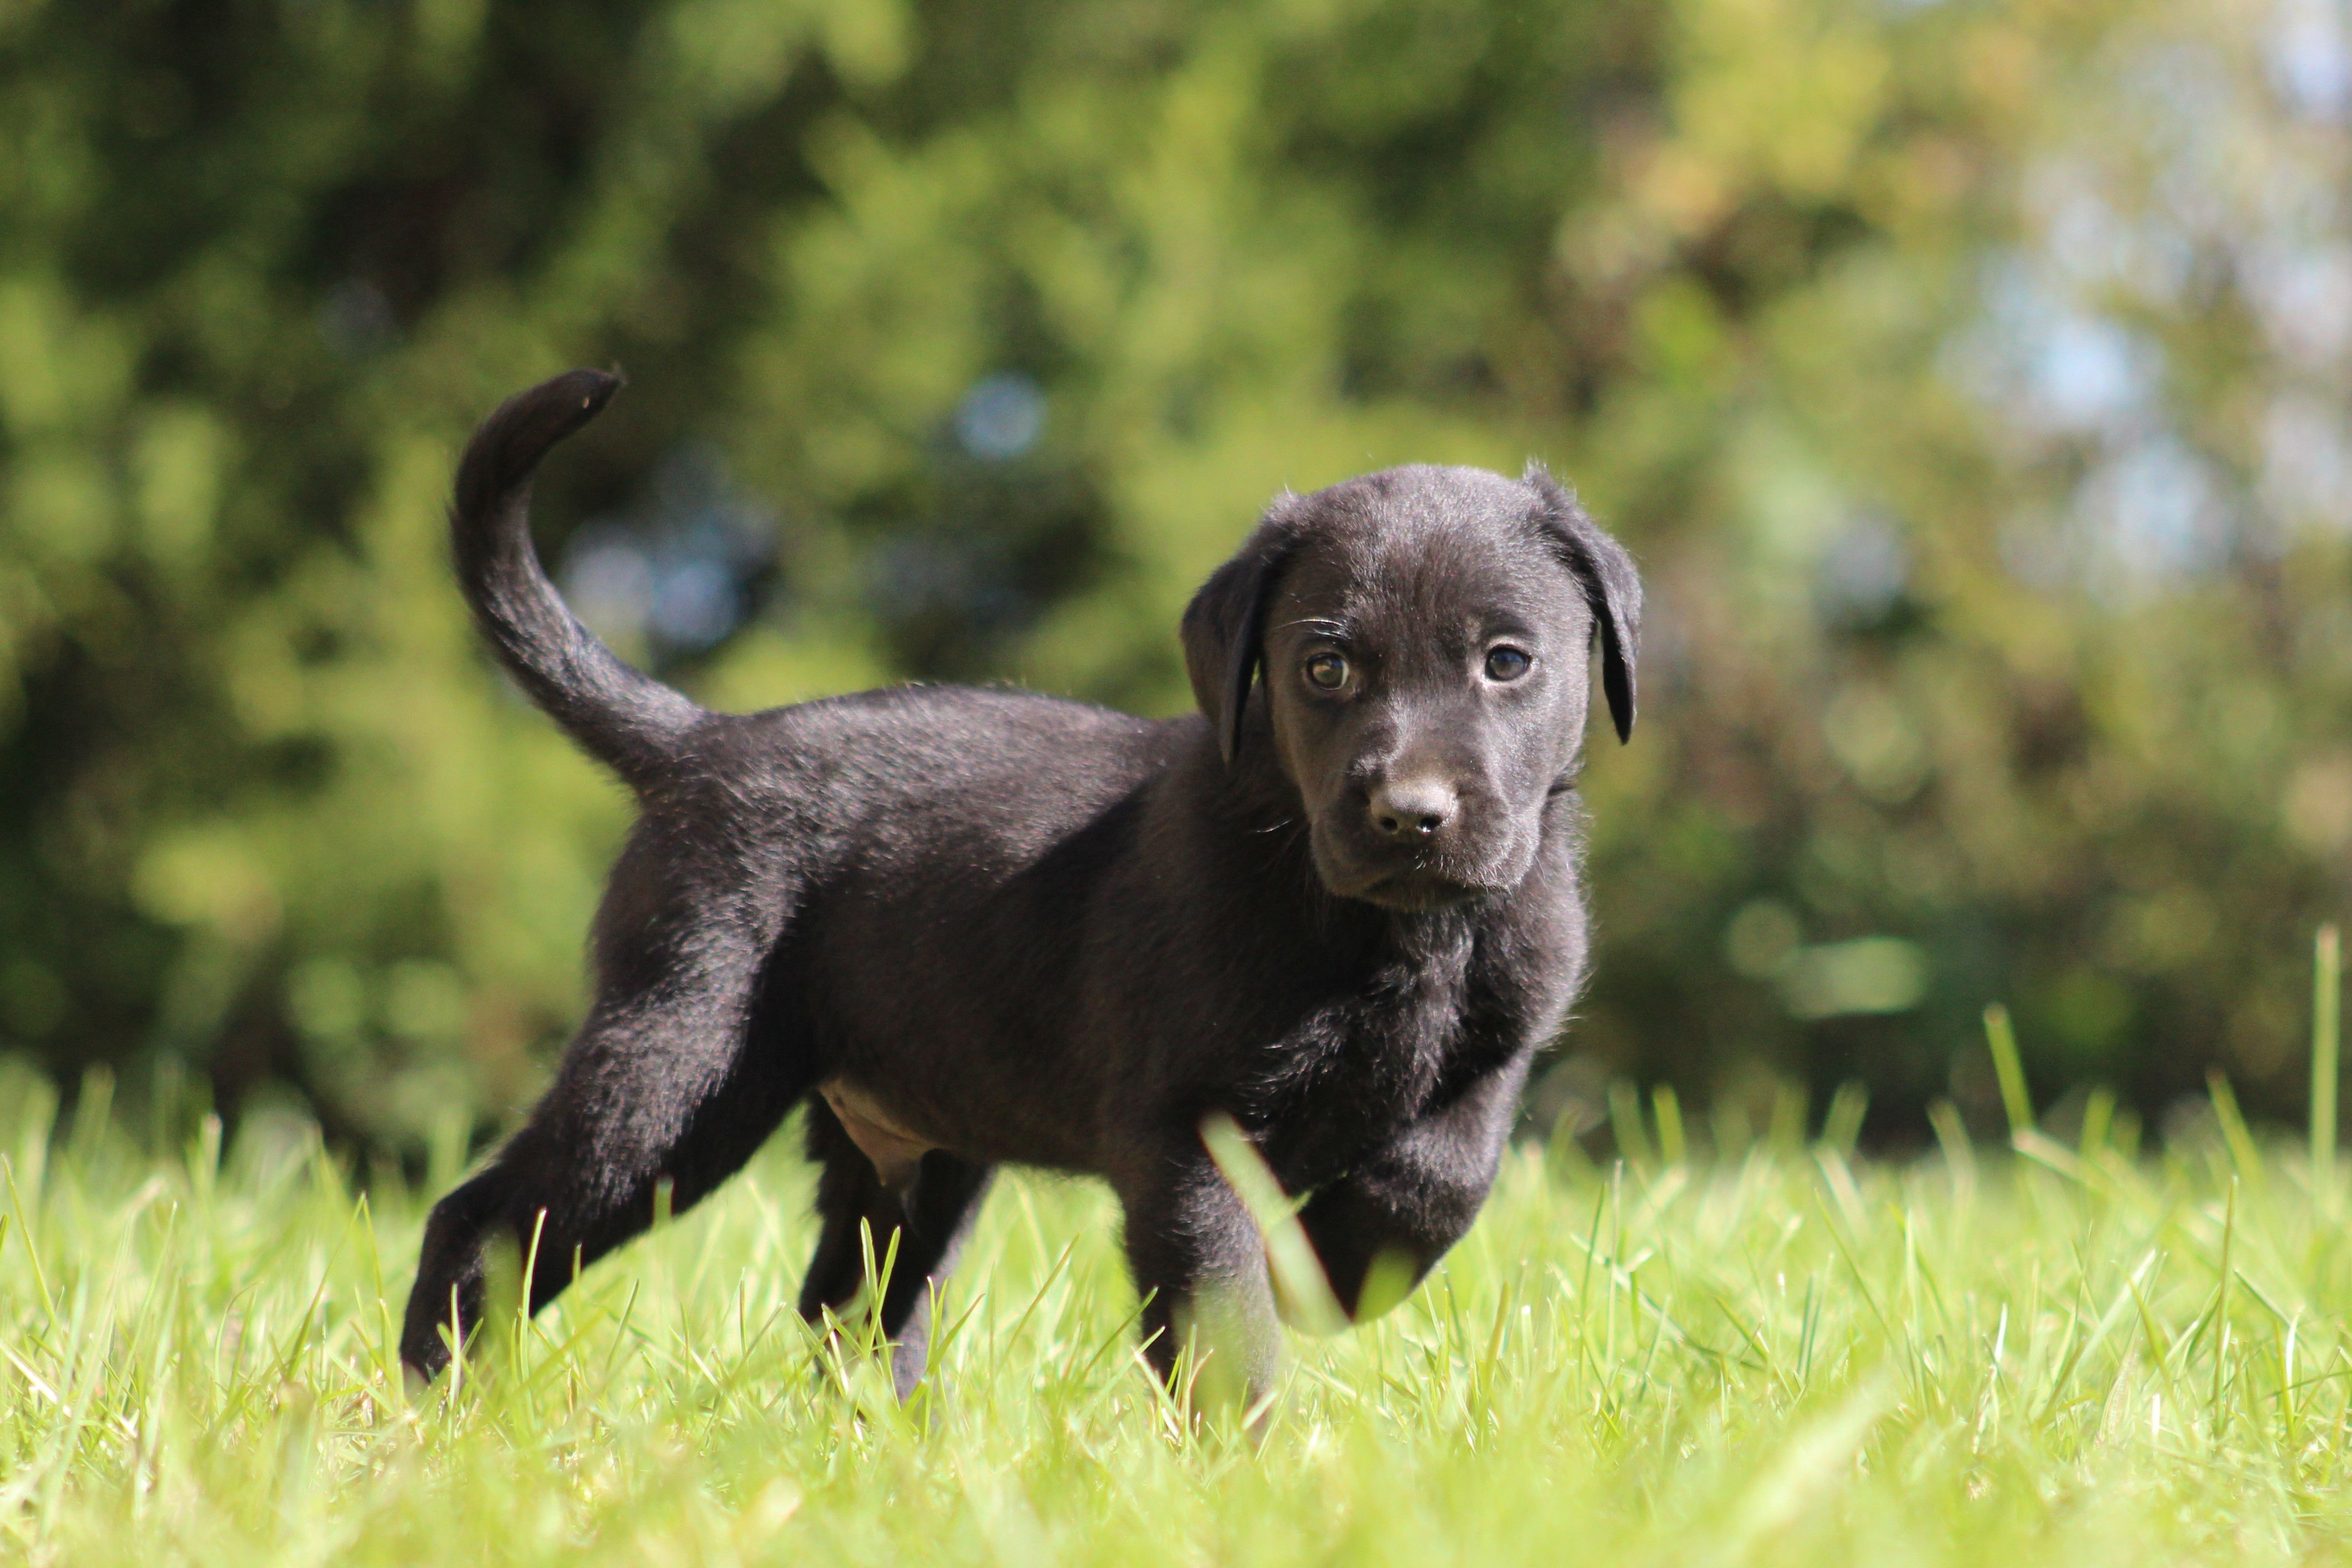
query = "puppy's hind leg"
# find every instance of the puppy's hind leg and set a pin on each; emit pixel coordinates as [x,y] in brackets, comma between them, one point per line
[929,1219]
[674,1077]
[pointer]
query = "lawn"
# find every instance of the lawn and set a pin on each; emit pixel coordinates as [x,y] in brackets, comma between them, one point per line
[1778,1353]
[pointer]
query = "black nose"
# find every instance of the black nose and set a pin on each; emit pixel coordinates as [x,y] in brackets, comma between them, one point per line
[1410,810]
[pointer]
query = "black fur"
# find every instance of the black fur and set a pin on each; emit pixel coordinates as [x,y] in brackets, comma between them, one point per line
[972,927]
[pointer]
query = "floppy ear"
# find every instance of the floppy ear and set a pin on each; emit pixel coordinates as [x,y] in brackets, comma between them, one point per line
[1610,586]
[1225,628]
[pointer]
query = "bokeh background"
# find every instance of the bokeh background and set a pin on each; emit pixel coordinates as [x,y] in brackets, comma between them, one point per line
[1972,378]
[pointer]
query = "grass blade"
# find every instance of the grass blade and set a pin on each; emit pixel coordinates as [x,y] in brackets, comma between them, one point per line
[1289,1255]
[2327,999]
[2008,1070]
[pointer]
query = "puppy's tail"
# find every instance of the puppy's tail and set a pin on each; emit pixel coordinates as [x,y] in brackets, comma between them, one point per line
[625,719]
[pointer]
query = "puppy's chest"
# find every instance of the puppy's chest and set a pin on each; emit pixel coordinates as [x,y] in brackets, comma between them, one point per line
[1358,1067]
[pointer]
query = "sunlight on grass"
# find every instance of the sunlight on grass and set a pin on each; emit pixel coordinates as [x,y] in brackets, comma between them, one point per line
[1779,1355]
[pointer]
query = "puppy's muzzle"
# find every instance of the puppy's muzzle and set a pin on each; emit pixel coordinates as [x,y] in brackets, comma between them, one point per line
[1416,841]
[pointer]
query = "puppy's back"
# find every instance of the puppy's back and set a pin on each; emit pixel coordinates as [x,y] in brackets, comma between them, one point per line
[895,770]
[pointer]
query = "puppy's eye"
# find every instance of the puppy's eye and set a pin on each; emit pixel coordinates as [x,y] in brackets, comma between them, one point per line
[1328,670]
[1506,664]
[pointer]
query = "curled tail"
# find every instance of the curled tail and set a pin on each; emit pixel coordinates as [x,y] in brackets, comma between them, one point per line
[625,719]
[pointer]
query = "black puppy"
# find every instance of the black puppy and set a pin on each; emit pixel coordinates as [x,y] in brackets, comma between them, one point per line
[972,927]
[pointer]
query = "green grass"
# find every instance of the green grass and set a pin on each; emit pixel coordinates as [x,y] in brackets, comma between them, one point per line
[1773,1356]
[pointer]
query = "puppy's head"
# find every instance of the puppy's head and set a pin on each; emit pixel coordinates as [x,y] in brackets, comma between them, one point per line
[1425,638]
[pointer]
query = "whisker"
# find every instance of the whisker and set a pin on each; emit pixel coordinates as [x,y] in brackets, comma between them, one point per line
[1318,623]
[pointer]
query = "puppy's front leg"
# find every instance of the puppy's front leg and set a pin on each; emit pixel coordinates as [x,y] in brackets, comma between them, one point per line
[1197,1259]
[1382,1227]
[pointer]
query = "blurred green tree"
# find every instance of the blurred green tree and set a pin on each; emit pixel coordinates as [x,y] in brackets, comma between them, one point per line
[1970,380]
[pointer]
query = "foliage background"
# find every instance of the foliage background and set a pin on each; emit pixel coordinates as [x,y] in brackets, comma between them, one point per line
[1970,378]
